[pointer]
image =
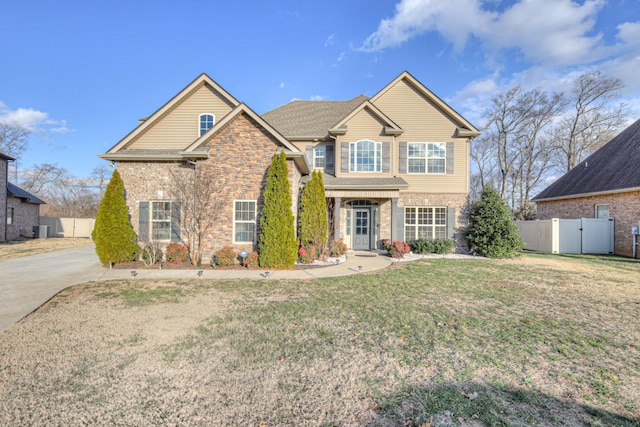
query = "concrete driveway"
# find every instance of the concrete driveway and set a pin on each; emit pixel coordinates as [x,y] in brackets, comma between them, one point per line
[27,283]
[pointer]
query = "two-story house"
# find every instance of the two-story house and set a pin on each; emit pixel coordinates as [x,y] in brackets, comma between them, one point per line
[395,166]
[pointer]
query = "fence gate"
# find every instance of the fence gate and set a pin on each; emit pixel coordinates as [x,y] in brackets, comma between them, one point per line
[597,236]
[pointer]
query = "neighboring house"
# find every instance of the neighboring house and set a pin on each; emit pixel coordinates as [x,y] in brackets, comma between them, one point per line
[23,212]
[396,165]
[606,184]
[4,179]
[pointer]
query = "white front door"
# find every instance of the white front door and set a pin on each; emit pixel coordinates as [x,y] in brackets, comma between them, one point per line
[361,228]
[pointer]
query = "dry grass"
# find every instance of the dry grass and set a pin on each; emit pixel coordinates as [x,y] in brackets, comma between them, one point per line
[542,340]
[21,248]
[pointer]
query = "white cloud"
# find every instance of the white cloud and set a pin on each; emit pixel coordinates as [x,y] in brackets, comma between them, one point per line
[318,98]
[545,31]
[341,56]
[281,86]
[330,40]
[32,120]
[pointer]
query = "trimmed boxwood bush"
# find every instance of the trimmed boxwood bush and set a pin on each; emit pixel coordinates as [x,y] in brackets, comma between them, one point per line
[226,257]
[431,246]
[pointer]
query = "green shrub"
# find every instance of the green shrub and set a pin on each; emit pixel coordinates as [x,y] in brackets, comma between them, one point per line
[277,241]
[177,253]
[113,234]
[431,246]
[226,257]
[397,248]
[491,231]
[312,219]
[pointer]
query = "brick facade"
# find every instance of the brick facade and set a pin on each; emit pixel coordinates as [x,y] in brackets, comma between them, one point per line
[239,156]
[26,216]
[624,208]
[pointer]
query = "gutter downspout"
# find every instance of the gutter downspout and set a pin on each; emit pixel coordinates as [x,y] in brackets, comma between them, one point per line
[6,190]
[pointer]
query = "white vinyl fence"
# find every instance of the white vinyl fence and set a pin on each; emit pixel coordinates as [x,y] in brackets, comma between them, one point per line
[568,236]
[68,227]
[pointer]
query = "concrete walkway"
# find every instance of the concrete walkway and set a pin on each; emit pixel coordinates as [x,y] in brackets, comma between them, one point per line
[27,283]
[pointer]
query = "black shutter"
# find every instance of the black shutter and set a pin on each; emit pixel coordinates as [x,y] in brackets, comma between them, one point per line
[449,157]
[143,222]
[175,222]
[402,167]
[344,153]
[386,157]
[328,167]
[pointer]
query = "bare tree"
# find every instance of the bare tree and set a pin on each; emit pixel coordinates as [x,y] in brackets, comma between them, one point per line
[591,121]
[13,139]
[201,202]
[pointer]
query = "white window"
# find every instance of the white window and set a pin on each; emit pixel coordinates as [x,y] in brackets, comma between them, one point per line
[244,221]
[161,220]
[319,156]
[429,157]
[602,211]
[10,213]
[206,122]
[365,156]
[425,222]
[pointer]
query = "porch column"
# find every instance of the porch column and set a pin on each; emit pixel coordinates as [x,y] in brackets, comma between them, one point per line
[336,218]
[394,218]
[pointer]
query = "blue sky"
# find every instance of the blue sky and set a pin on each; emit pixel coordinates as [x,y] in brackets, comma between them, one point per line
[80,74]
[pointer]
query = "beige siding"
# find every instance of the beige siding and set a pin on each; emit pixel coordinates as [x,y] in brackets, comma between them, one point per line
[180,126]
[457,182]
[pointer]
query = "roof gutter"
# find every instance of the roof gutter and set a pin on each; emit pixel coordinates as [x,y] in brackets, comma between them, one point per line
[581,195]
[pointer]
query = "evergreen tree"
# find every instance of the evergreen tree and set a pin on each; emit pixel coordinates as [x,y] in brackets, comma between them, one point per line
[312,221]
[491,231]
[277,241]
[114,237]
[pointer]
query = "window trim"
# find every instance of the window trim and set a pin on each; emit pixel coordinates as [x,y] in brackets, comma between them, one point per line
[323,157]
[377,156]
[10,215]
[434,226]
[201,130]
[441,146]
[597,205]
[254,221]
[169,220]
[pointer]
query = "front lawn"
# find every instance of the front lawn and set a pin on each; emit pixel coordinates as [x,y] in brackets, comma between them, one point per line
[539,340]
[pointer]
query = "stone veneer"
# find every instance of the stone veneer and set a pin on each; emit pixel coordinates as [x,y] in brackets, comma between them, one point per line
[240,155]
[624,208]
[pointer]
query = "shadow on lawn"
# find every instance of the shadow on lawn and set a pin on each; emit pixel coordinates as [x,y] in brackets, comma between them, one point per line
[480,404]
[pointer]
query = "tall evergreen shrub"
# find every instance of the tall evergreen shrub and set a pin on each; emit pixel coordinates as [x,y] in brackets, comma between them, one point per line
[113,234]
[312,220]
[491,231]
[277,240]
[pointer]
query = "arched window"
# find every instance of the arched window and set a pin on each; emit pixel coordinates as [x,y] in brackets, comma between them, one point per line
[206,122]
[365,156]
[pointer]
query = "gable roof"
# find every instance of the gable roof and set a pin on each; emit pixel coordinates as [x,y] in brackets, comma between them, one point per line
[391,126]
[15,191]
[611,169]
[465,129]
[310,119]
[158,114]
[5,157]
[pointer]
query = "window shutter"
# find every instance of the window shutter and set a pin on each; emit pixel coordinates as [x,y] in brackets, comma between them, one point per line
[328,166]
[386,157]
[344,154]
[403,158]
[451,222]
[399,235]
[175,222]
[449,157]
[143,222]
[309,155]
